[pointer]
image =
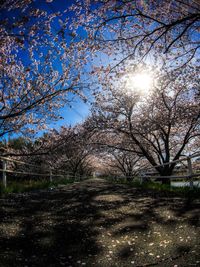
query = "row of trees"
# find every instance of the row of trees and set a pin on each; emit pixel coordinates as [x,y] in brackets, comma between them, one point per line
[160,126]
[44,53]
[71,150]
[126,131]
[44,50]
[64,151]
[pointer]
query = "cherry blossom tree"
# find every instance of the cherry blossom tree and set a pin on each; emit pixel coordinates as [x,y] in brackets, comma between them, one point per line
[161,125]
[122,163]
[39,66]
[138,29]
[64,150]
[74,153]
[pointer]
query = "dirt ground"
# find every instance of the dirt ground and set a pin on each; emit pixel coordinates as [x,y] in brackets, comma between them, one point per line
[96,223]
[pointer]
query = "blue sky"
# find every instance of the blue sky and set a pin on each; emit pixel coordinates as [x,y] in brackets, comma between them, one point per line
[78,110]
[76,114]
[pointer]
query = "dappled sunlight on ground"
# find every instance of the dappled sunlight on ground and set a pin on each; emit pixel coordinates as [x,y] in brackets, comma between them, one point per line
[95,223]
[109,198]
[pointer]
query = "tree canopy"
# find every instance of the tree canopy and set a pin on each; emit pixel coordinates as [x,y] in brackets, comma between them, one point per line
[39,66]
[160,125]
[51,54]
[139,29]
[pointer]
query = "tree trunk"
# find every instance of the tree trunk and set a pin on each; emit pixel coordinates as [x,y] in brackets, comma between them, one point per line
[129,177]
[166,181]
[165,171]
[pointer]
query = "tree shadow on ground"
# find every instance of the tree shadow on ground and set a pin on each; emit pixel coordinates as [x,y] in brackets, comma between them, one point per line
[96,223]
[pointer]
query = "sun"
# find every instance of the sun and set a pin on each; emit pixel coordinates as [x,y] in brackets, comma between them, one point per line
[141,82]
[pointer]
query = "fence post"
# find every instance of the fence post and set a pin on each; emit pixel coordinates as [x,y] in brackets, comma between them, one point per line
[4,173]
[50,174]
[142,177]
[190,172]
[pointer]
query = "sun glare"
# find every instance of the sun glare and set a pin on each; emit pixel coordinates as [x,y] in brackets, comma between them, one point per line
[141,82]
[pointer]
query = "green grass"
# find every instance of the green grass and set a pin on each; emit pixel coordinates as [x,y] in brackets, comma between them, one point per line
[186,191]
[31,185]
[158,187]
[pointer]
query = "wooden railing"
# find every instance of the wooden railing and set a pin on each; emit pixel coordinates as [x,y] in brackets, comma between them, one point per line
[150,172]
[49,172]
[190,171]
